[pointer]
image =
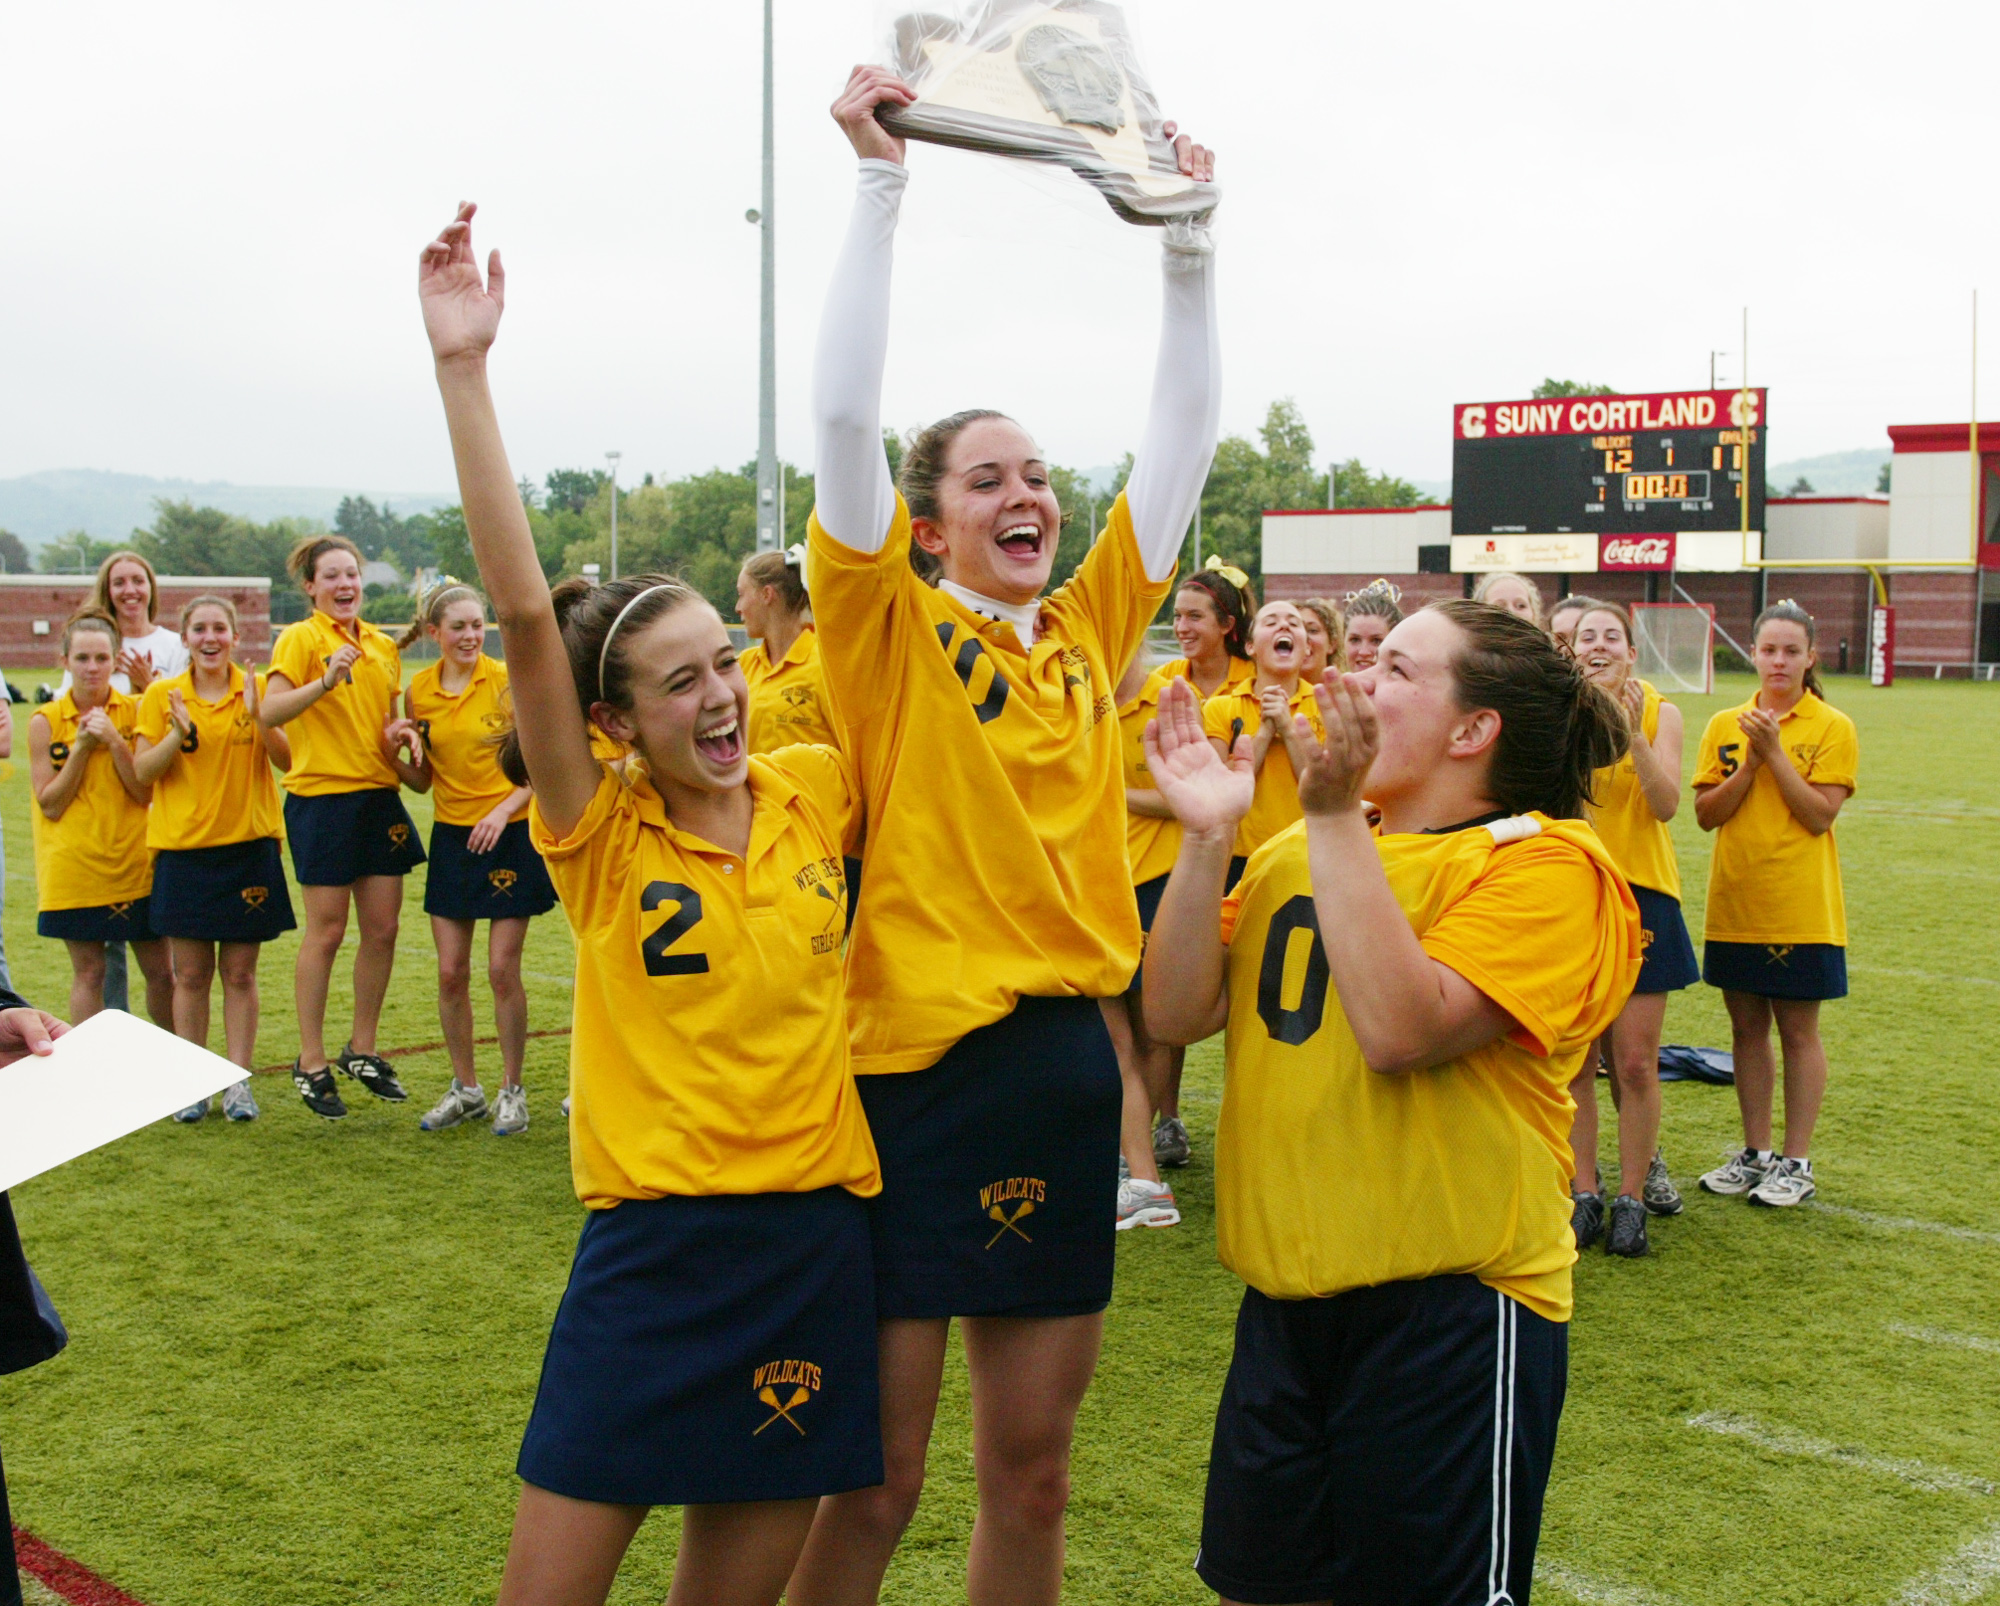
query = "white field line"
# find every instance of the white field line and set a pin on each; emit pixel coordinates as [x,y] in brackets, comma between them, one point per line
[1786,1442]
[1936,976]
[1868,1218]
[1594,1591]
[1964,1576]
[1935,1335]
[37,1593]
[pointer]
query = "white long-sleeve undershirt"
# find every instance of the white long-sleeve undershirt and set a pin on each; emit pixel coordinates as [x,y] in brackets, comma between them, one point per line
[856,498]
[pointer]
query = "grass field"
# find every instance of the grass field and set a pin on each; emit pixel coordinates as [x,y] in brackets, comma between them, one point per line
[303,1353]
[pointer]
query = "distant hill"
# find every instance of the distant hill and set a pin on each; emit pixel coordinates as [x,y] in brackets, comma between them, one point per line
[40,507]
[1835,474]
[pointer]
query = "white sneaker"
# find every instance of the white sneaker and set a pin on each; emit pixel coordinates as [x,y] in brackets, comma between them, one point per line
[510,1112]
[565,1109]
[459,1104]
[1788,1182]
[1742,1173]
[238,1102]
[1146,1204]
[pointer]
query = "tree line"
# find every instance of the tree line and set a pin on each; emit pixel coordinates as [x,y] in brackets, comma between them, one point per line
[702,526]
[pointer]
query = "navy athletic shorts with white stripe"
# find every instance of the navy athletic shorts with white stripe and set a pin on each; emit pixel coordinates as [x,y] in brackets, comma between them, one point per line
[1389,1446]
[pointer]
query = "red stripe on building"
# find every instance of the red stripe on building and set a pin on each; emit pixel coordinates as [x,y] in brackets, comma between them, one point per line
[70,1580]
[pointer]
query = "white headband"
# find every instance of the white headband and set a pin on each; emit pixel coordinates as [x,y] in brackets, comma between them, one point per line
[603,653]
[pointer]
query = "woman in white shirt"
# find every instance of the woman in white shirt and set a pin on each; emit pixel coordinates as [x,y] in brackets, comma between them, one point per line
[129,591]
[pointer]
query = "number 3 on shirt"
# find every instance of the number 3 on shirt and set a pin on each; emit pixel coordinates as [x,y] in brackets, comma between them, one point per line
[686,916]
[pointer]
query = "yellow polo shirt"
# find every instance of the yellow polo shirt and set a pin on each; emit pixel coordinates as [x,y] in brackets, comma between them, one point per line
[709,1052]
[96,854]
[788,700]
[221,788]
[1152,843]
[1770,880]
[1330,1176]
[462,732]
[337,743]
[1276,804]
[1640,844]
[996,862]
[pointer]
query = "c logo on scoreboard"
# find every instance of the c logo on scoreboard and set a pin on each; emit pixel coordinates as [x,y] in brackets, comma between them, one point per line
[1743,408]
[1472,423]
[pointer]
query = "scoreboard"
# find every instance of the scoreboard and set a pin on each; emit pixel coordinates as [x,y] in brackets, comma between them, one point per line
[1625,467]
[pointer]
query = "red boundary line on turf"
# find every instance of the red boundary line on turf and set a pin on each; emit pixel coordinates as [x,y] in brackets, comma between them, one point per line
[71,1580]
[423,1048]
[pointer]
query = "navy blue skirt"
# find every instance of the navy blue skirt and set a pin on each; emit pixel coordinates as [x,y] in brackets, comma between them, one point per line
[234,893]
[711,1350]
[339,837]
[106,922]
[1000,1170]
[1668,964]
[508,883]
[1805,971]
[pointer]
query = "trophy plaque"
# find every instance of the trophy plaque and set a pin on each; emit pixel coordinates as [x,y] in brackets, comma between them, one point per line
[1045,81]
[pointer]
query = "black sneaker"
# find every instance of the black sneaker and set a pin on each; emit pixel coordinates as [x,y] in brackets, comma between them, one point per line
[1627,1236]
[1586,1218]
[317,1089]
[373,1072]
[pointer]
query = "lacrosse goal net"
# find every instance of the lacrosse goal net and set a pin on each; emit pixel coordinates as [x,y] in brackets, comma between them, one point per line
[1676,642]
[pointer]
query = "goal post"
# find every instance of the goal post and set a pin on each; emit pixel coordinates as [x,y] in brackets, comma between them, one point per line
[1676,642]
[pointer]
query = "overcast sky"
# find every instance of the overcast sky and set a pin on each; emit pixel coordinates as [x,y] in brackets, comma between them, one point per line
[212,211]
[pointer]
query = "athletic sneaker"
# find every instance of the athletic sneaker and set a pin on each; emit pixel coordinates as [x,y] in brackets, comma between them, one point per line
[192,1114]
[1146,1204]
[1170,1143]
[1586,1218]
[373,1072]
[1660,1195]
[510,1115]
[317,1089]
[565,1109]
[1627,1236]
[459,1104]
[1743,1172]
[1788,1182]
[238,1102]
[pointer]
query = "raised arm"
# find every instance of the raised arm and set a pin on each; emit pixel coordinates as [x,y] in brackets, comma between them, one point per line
[854,496]
[1174,455]
[462,317]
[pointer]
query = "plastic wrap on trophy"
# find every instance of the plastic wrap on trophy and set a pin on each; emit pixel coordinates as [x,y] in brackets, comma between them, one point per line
[1045,81]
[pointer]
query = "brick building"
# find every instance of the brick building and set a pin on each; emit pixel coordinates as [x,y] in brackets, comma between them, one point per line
[34,607]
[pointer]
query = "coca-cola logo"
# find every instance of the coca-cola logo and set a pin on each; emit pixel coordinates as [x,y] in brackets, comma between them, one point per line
[1637,552]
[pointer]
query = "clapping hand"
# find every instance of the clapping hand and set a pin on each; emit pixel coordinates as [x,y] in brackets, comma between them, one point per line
[1335,770]
[461,313]
[136,667]
[867,88]
[97,726]
[1760,729]
[401,736]
[341,665]
[1632,697]
[177,711]
[1206,793]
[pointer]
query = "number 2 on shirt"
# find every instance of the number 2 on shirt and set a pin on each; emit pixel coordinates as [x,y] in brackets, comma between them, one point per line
[686,916]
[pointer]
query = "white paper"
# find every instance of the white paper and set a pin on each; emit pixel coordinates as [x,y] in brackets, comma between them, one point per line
[112,1075]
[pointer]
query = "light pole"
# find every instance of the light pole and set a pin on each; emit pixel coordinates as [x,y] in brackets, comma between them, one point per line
[612,459]
[769,534]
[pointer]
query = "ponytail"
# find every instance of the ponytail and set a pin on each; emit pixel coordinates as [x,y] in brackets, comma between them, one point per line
[1557,729]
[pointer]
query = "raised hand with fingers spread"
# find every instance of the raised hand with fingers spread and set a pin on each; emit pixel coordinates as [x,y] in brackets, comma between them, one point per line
[1335,771]
[1205,792]
[461,311]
